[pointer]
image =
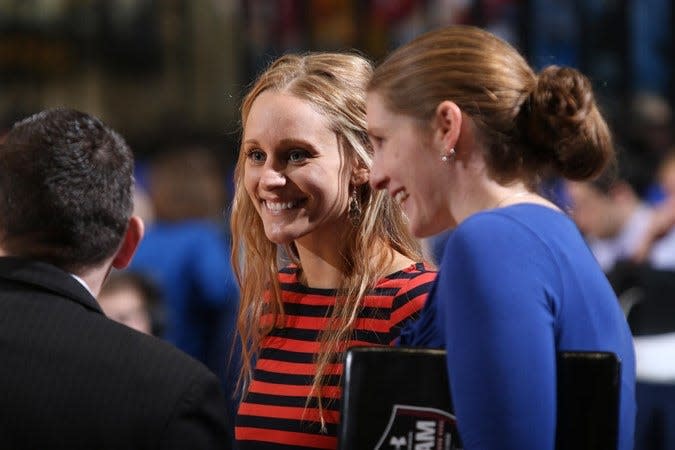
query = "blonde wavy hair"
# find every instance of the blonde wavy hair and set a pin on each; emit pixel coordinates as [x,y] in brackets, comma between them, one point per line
[335,84]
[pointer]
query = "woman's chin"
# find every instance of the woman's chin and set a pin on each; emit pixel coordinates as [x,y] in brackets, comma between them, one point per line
[279,237]
[279,240]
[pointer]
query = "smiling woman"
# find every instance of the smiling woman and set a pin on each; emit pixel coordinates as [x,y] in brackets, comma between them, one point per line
[295,172]
[463,130]
[355,274]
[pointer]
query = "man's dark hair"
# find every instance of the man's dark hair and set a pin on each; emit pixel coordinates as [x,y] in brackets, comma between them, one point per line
[66,180]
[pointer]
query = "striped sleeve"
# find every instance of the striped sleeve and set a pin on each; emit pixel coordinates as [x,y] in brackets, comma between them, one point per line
[409,300]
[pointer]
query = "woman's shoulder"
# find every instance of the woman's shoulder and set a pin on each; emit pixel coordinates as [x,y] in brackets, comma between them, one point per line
[416,274]
[404,290]
[489,236]
[415,269]
[521,221]
[518,213]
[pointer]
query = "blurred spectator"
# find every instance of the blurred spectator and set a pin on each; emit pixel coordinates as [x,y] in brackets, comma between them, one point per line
[666,174]
[186,252]
[646,295]
[130,298]
[637,232]
[650,134]
[662,222]
[615,220]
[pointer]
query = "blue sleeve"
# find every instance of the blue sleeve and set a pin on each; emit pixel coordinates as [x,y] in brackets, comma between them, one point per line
[423,331]
[495,307]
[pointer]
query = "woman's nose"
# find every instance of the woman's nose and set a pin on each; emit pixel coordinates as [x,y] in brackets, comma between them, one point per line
[272,178]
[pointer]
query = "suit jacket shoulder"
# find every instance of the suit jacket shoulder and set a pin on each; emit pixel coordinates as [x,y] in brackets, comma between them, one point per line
[73,378]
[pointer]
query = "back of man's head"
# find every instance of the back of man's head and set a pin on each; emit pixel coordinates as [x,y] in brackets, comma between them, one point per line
[66,181]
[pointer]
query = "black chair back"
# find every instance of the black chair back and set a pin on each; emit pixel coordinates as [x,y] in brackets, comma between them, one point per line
[588,401]
[394,395]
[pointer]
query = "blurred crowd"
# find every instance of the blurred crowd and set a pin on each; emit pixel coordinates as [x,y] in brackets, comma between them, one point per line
[628,218]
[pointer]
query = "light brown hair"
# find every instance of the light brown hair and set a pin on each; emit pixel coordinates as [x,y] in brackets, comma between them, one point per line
[531,125]
[334,83]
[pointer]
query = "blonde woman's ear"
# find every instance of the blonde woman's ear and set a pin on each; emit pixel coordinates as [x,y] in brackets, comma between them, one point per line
[360,175]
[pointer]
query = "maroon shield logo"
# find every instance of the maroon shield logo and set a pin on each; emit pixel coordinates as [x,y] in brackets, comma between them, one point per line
[419,428]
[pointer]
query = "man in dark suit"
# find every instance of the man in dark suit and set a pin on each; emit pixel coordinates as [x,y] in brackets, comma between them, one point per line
[70,378]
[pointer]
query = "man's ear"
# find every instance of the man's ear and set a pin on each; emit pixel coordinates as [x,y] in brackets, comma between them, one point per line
[448,121]
[132,237]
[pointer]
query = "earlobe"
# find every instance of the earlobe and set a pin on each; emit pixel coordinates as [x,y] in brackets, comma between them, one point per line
[132,237]
[449,122]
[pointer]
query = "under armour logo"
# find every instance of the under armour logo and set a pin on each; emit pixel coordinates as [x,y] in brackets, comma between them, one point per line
[398,442]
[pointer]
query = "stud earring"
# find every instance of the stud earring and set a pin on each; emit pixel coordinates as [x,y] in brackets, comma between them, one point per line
[449,157]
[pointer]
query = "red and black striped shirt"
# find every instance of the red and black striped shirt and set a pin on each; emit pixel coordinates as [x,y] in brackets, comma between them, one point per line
[272,414]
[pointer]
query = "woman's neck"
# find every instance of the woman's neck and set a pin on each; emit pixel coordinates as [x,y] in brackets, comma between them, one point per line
[321,268]
[480,193]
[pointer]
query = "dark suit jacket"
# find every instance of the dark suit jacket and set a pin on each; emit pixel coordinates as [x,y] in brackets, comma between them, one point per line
[70,378]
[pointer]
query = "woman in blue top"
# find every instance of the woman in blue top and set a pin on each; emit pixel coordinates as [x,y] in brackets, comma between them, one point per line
[463,130]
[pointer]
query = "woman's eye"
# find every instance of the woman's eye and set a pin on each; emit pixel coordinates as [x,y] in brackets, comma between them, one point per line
[255,156]
[297,156]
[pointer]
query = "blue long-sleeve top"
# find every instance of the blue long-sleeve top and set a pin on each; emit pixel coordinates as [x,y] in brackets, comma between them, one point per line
[516,286]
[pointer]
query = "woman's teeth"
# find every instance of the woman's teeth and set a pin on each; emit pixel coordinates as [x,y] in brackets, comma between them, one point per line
[279,206]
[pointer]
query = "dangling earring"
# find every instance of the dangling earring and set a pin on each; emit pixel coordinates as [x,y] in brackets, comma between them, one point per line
[449,157]
[354,210]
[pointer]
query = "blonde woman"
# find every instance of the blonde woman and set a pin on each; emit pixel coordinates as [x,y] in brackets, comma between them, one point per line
[354,274]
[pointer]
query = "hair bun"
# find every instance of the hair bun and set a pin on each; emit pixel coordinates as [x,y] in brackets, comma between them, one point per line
[565,96]
[566,126]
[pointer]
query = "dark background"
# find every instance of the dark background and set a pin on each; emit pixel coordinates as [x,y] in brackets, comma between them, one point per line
[163,72]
